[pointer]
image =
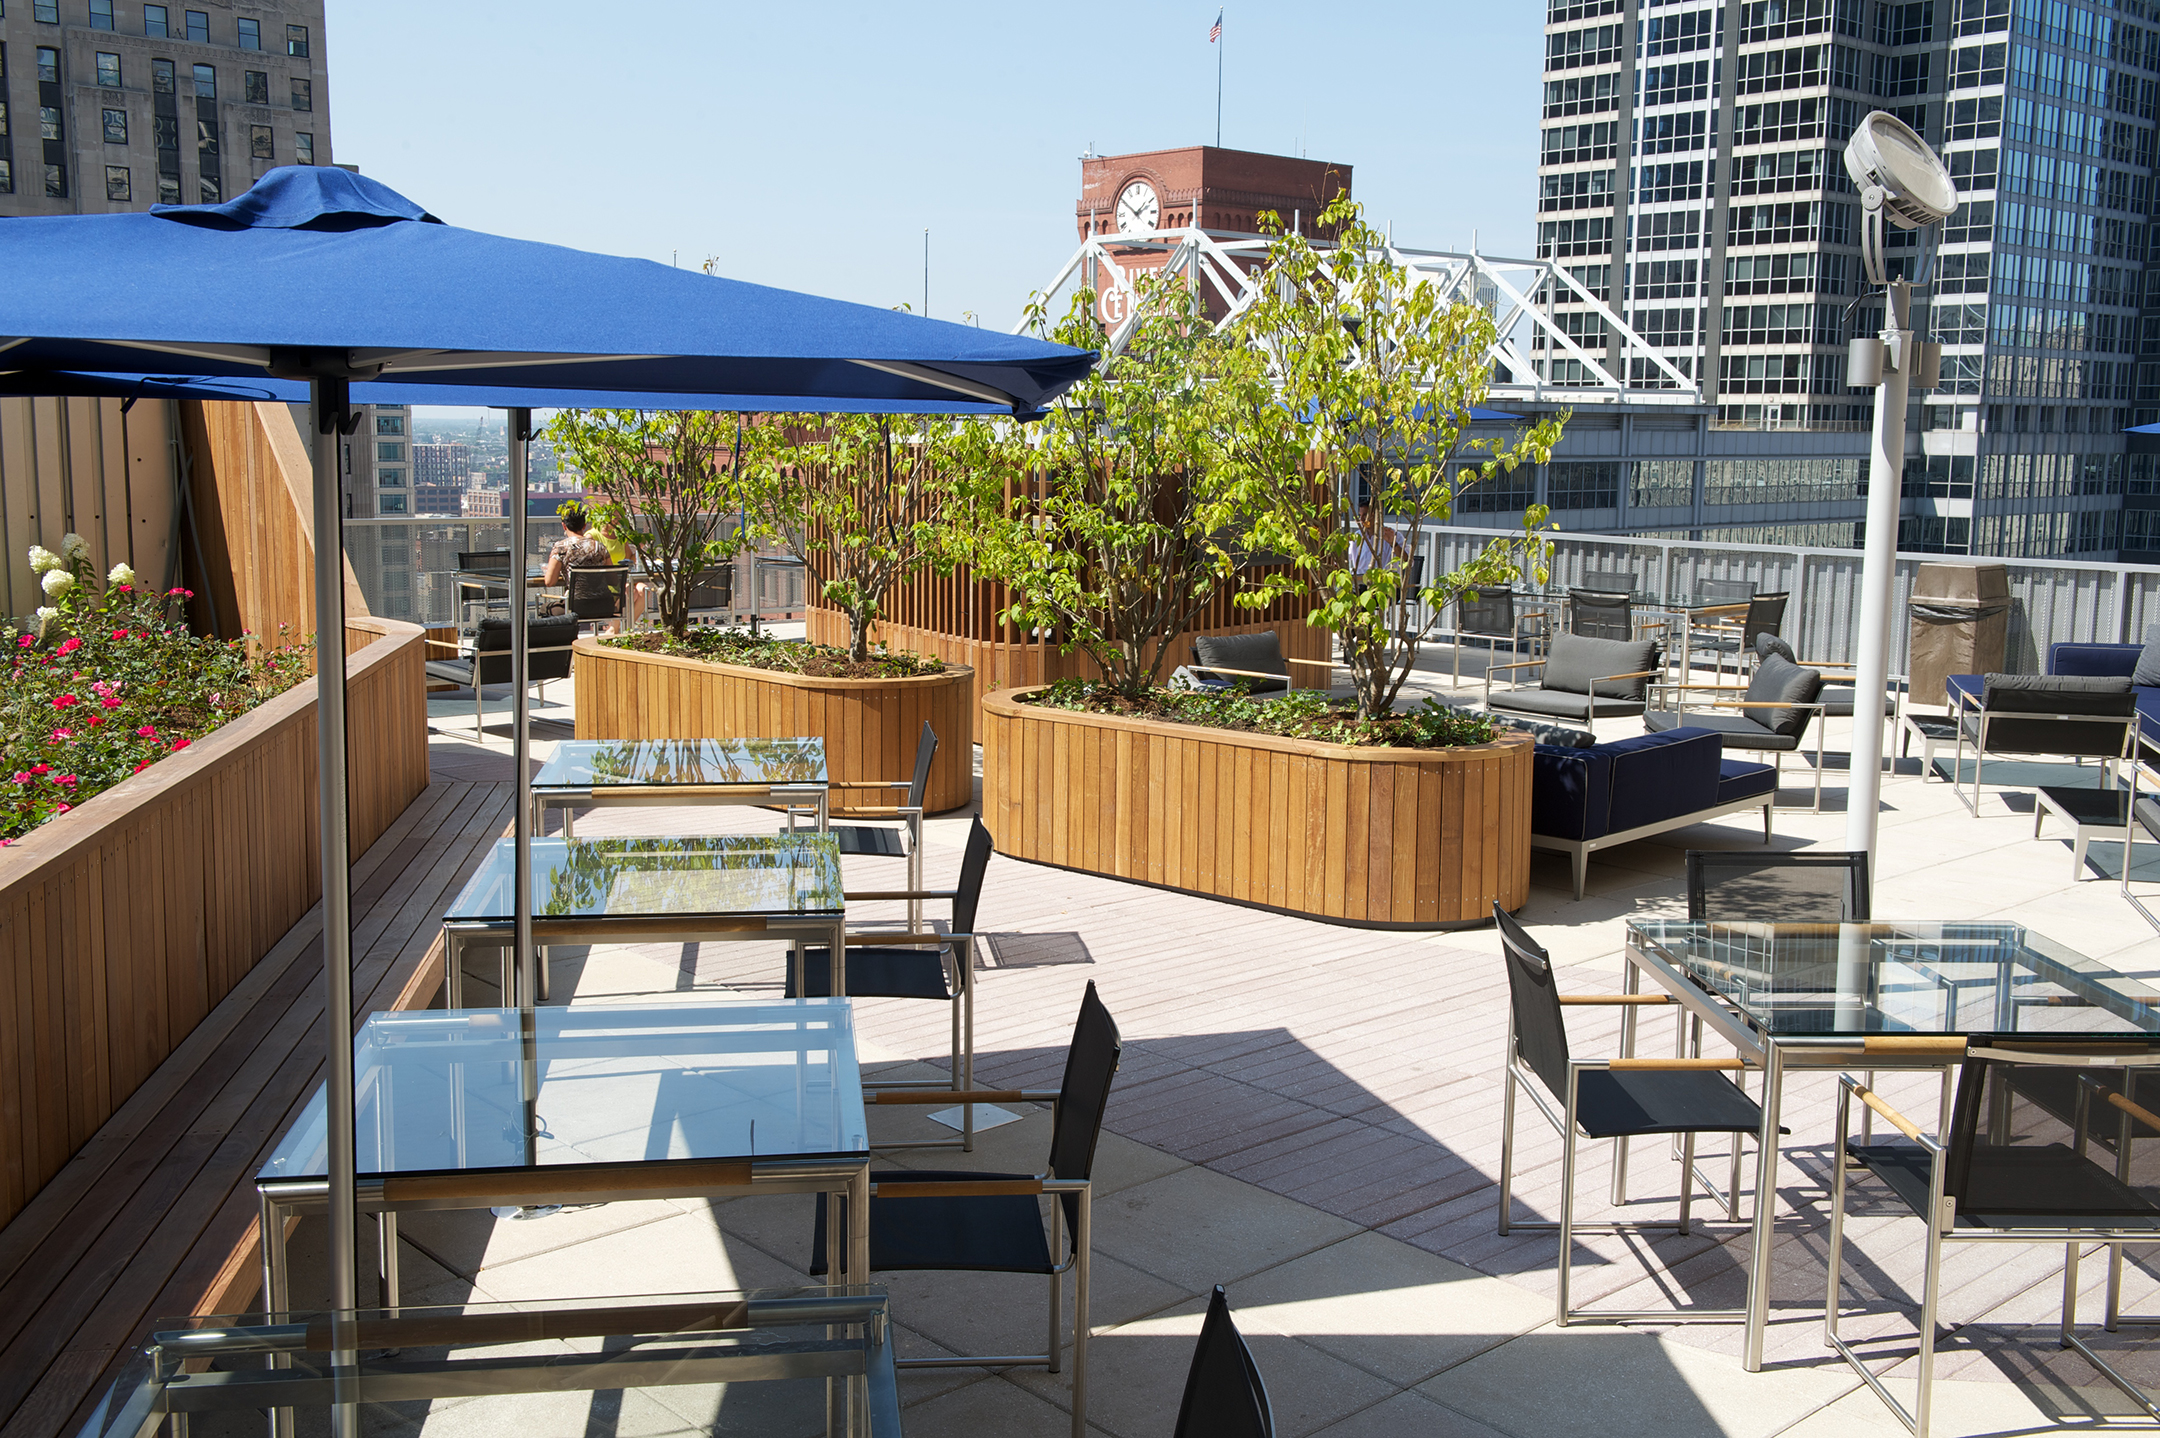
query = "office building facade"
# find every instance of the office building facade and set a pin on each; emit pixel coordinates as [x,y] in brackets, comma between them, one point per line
[117,105]
[1691,177]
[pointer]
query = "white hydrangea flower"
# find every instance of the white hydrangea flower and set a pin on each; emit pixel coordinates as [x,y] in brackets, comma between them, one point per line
[74,546]
[58,582]
[46,614]
[121,574]
[42,559]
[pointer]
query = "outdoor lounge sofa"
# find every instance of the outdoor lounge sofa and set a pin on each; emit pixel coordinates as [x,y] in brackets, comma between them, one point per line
[1580,679]
[1591,798]
[2076,716]
[2139,663]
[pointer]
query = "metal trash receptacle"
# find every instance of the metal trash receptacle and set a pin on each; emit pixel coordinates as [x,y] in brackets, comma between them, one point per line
[1960,616]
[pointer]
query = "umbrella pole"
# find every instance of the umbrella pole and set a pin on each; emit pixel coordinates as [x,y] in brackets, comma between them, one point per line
[332,399]
[528,966]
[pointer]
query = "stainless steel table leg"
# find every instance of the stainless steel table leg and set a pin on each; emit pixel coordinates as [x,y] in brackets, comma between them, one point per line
[569,822]
[276,1300]
[1765,1231]
[839,961]
[858,1226]
[453,970]
[386,1225]
[1630,982]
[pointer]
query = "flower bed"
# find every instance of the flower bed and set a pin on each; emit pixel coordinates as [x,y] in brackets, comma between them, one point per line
[106,684]
[786,656]
[1300,714]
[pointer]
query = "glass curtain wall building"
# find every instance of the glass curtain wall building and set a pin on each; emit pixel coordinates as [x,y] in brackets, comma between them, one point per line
[1692,177]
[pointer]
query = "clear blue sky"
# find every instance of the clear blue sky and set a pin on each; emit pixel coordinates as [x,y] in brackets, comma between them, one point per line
[809,146]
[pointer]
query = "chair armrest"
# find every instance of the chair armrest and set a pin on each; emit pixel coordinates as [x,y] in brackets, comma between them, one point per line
[1308,663]
[858,810]
[868,783]
[1720,688]
[903,938]
[1240,673]
[961,1095]
[852,895]
[1638,674]
[1519,664]
[1616,998]
[958,1188]
[445,644]
[1886,1112]
[1727,1065]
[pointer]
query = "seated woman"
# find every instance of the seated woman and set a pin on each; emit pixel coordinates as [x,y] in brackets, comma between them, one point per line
[584,545]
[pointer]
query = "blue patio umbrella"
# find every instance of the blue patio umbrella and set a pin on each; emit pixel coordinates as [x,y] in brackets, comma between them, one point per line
[320,277]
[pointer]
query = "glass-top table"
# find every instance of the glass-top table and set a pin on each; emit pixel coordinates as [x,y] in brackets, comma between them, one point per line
[596,773]
[588,1103]
[820,1356]
[1904,995]
[653,889]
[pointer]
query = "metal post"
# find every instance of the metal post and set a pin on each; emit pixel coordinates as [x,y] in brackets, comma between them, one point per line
[1886,481]
[527,973]
[332,398]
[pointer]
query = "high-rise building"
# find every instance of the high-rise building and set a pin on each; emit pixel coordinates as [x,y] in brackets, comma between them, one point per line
[1691,177]
[439,478]
[115,105]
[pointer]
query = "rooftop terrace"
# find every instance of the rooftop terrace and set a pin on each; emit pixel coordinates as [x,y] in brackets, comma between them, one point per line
[1310,1114]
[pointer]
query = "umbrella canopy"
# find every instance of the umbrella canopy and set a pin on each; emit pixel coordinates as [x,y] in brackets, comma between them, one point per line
[316,259]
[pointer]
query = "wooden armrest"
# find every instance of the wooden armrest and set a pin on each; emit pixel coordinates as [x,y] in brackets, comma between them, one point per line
[1716,688]
[1314,663]
[904,938]
[1939,1045]
[957,1188]
[1616,998]
[852,895]
[1520,664]
[1240,673]
[961,1095]
[2137,1111]
[1638,674]
[1888,1114]
[1763,704]
[1626,1064]
[868,783]
[859,810]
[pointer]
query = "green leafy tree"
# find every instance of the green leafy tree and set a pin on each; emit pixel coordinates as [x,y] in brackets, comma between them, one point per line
[667,483]
[864,501]
[1110,520]
[1372,380]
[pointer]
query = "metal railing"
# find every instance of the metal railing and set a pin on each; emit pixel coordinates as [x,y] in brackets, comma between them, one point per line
[2050,602]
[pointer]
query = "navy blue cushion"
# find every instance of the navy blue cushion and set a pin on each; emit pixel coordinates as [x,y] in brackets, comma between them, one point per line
[2095,659]
[1661,776]
[1742,779]
[1969,685]
[1570,792]
[2147,672]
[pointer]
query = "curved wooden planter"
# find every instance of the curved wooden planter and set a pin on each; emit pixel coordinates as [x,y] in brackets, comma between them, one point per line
[869,725]
[1382,838]
[124,921]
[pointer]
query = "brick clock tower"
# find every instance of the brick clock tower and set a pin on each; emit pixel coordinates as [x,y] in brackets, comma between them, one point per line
[1198,186]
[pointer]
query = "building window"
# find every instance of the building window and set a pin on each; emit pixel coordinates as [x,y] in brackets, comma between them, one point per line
[389,479]
[101,14]
[154,21]
[1584,486]
[389,450]
[3,117]
[206,138]
[116,127]
[56,182]
[210,190]
[296,41]
[260,145]
[7,177]
[49,124]
[303,146]
[251,34]
[168,189]
[45,12]
[303,94]
[206,82]
[389,424]
[48,64]
[256,86]
[108,69]
[198,26]
[162,77]
[117,185]
[389,504]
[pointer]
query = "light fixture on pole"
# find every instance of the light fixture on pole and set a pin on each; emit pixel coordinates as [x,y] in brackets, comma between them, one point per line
[1901,182]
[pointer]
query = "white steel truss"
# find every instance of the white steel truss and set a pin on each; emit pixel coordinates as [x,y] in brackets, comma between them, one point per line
[1521,295]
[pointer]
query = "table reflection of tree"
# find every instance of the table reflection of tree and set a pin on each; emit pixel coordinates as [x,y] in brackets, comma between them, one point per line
[747,873]
[708,761]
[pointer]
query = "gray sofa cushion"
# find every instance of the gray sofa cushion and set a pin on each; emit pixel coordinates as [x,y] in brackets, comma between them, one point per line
[1780,681]
[2147,673]
[1562,705]
[1733,729]
[1768,644]
[1557,736]
[1260,652]
[1575,661]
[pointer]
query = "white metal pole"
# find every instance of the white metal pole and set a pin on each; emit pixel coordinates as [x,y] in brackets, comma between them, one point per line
[331,399]
[521,835]
[1886,480]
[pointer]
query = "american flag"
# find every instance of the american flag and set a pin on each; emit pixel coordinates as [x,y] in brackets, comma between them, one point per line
[1215,31]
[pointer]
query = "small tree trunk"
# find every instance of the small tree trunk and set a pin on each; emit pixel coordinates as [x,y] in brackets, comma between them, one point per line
[859,622]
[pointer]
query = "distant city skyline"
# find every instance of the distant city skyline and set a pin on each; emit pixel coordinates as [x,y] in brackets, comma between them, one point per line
[813,156]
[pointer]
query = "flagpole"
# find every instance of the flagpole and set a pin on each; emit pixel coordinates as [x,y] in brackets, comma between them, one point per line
[1218,79]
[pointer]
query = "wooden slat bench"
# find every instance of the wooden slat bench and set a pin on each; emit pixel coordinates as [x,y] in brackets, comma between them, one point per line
[156,1215]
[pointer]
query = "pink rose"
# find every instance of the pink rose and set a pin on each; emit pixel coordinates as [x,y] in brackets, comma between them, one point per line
[65,700]
[119,634]
[69,646]
[179,745]
[111,701]
[26,641]
[65,781]
[22,776]
[146,732]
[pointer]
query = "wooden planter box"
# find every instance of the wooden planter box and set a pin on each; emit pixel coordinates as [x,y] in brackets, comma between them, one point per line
[124,921]
[1382,838]
[869,725]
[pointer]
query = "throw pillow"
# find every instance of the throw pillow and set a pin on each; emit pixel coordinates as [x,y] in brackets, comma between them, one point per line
[1780,681]
[1769,644]
[1256,653]
[2148,665]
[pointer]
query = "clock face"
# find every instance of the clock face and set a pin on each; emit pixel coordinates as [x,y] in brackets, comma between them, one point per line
[1137,208]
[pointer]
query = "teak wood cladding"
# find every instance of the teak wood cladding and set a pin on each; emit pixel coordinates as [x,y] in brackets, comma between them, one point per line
[869,725]
[254,500]
[126,920]
[1424,838]
[86,466]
